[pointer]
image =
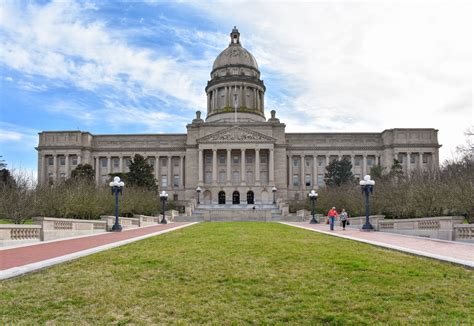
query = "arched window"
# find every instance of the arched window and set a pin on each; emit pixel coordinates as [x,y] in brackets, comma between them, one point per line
[235,197]
[221,197]
[250,198]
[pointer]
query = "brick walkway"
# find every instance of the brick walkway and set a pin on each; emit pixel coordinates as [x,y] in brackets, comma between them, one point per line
[16,261]
[455,252]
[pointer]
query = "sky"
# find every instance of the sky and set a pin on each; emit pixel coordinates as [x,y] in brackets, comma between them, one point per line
[141,67]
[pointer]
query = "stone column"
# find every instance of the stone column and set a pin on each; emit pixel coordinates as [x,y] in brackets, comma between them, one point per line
[66,157]
[214,166]
[302,186]
[339,157]
[109,164]
[352,162]
[157,167]
[42,170]
[181,172]
[257,166]
[200,169]
[170,182]
[97,168]
[258,100]
[408,161]
[290,171]
[208,103]
[229,167]
[315,171]
[242,172]
[271,167]
[420,159]
[327,160]
[55,167]
[364,165]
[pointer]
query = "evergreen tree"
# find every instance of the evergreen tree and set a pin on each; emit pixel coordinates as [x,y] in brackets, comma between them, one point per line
[141,173]
[83,171]
[339,173]
[5,175]
[396,170]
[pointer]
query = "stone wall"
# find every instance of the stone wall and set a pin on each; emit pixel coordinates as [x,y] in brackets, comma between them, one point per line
[15,234]
[57,228]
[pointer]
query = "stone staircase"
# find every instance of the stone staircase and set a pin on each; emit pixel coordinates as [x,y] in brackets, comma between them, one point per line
[234,213]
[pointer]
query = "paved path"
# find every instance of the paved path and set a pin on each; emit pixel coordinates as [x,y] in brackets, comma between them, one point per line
[20,260]
[451,251]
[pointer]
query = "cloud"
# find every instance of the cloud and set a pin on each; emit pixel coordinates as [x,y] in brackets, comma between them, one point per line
[350,66]
[60,41]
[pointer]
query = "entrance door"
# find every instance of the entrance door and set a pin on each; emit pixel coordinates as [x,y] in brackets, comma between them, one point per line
[221,197]
[236,197]
[250,198]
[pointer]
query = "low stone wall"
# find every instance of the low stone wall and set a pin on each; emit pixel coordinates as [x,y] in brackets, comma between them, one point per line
[125,222]
[247,215]
[358,221]
[16,234]
[57,228]
[464,232]
[144,220]
[431,227]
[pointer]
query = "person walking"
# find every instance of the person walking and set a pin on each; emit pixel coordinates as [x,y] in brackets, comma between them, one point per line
[332,215]
[343,217]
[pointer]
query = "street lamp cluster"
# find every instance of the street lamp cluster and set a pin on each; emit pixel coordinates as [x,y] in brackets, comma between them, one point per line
[164,199]
[116,187]
[367,187]
[314,198]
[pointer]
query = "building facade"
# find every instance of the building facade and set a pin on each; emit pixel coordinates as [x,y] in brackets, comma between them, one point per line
[236,155]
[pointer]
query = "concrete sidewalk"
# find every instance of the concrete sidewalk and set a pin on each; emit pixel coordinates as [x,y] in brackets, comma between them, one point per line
[28,258]
[450,251]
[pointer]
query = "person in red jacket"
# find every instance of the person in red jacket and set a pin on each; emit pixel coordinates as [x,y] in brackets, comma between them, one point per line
[332,215]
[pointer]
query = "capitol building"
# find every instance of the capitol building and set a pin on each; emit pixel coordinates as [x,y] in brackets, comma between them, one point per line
[237,153]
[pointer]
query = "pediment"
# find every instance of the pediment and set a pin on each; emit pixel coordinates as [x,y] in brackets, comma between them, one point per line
[236,135]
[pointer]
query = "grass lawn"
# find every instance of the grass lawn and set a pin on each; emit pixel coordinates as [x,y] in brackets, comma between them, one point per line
[5,221]
[238,273]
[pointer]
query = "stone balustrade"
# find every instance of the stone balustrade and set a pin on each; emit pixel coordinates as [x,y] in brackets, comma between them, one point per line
[442,227]
[57,228]
[358,221]
[13,234]
[125,222]
[464,232]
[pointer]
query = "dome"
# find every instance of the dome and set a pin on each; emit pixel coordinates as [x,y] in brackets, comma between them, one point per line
[235,54]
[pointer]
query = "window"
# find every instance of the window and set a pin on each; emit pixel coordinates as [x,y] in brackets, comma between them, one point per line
[128,162]
[221,176]
[236,159]
[164,162]
[320,162]
[236,176]
[401,158]
[308,162]
[176,163]
[263,159]
[249,177]
[175,197]
[103,162]
[176,180]
[425,159]
[208,177]
[412,158]
[296,180]
[74,160]
[208,159]
[62,160]
[221,159]
[320,180]
[357,161]
[164,181]
[307,180]
[370,161]
[295,162]
[249,159]
[116,162]
[150,161]
[50,160]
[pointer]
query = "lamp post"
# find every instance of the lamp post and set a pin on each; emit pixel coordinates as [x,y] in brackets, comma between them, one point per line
[274,190]
[116,187]
[164,198]
[314,198]
[198,190]
[367,187]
